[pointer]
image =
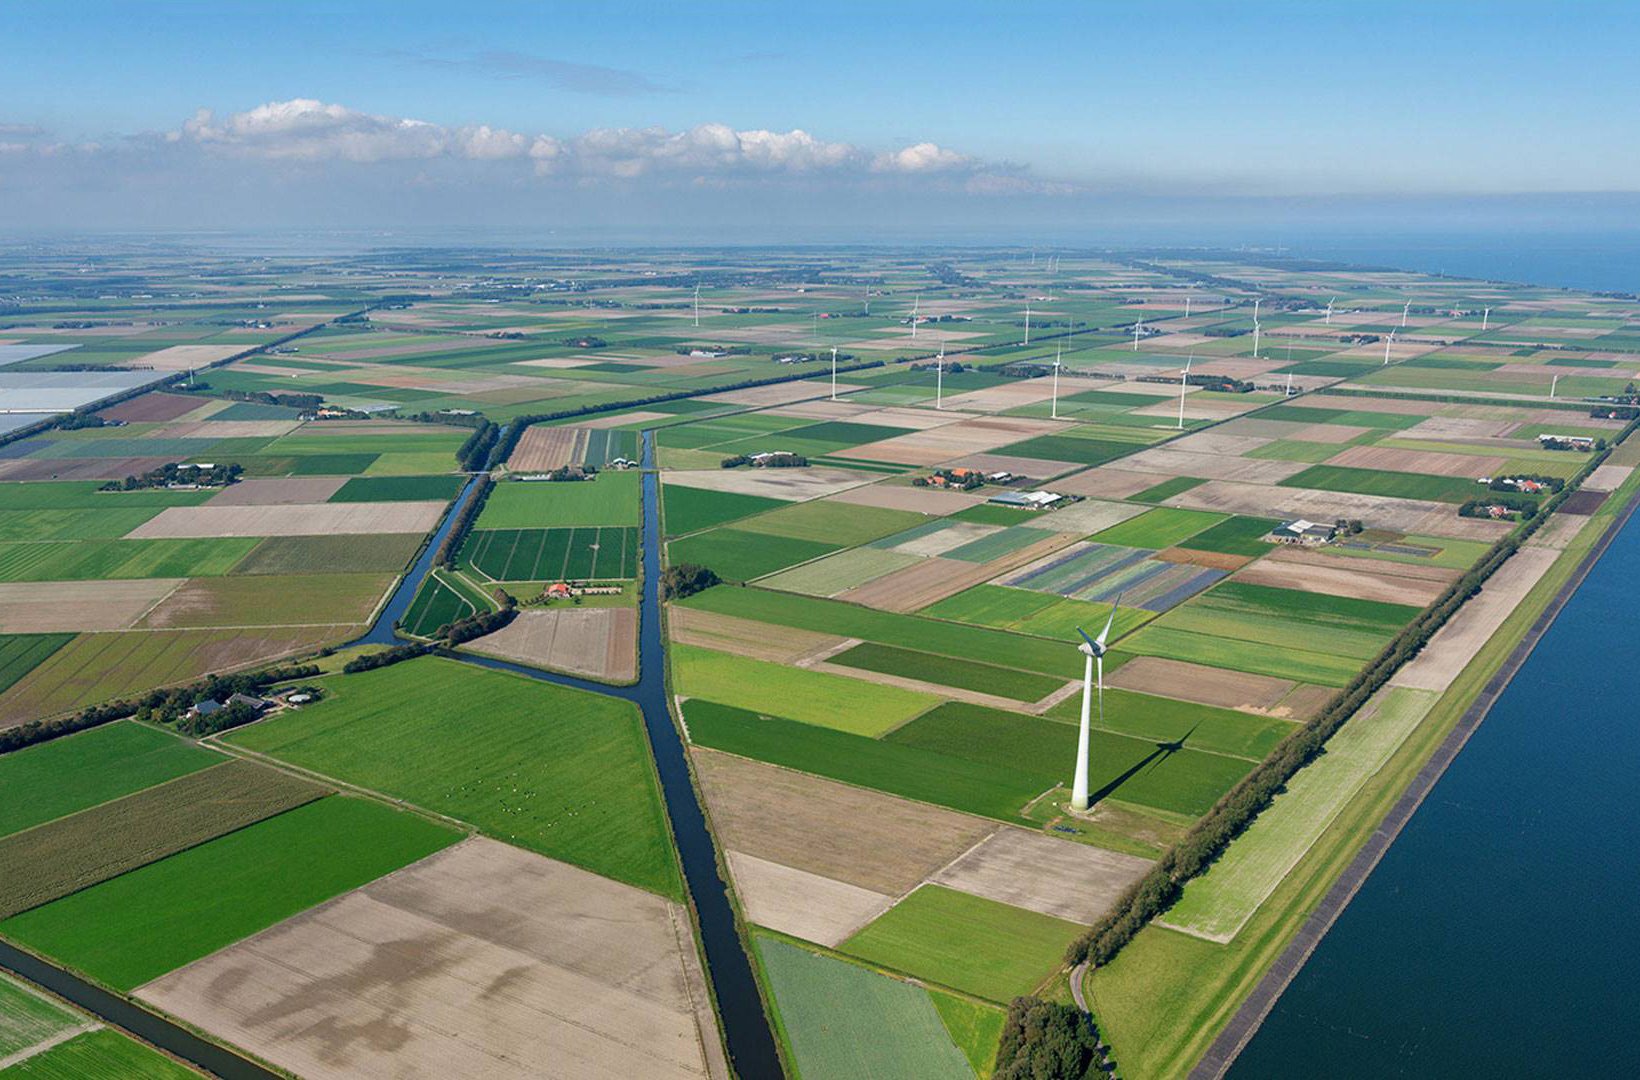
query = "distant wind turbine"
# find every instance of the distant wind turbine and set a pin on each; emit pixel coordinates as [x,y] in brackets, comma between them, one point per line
[1027,322]
[1387,343]
[1094,650]
[1184,383]
[1552,384]
[1187,305]
[834,373]
[1256,327]
[1289,384]
[1486,317]
[868,298]
[697,303]
[1404,309]
[939,375]
[1058,352]
[1138,328]
[916,302]
[1329,310]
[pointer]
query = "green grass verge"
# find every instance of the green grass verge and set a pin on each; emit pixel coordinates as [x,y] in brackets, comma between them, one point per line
[104,1054]
[559,771]
[979,946]
[142,924]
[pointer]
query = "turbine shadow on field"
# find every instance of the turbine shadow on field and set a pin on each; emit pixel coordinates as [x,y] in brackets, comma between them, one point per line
[1162,752]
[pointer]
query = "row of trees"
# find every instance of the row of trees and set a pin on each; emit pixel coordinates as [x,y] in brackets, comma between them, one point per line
[1208,837]
[451,547]
[474,453]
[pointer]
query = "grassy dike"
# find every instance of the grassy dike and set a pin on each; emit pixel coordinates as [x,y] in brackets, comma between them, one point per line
[1166,996]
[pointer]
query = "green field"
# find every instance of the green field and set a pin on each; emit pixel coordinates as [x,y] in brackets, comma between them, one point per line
[39,865]
[1219,903]
[810,697]
[611,499]
[1300,665]
[832,522]
[104,1054]
[741,556]
[998,647]
[554,554]
[107,560]
[138,926]
[1042,614]
[974,1026]
[436,604]
[1165,490]
[399,489]
[22,653]
[387,553]
[839,571]
[83,494]
[995,951]
[273,600]
[27,1018]
[1159,719]
[691,509]
[1399,485]
[842,1021]
[1237,536]
[100,523]
[554,770]
[1160,528]
[947,671]
[77,771]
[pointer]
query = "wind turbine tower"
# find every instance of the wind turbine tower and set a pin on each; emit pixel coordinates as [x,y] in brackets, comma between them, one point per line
[1138,328]
[1289,384]
[916,302]
[834,373]
[1027,322]
[1552,384]
[1184,383]
[1058,352]
[1187,305]
[1404,309]
[1094,650]
[939,376]
[697,303]
[1486,318]
[1329,310]
[1387,343]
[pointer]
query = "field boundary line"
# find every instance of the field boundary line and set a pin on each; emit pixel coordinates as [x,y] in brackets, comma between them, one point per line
[149,610]
[48,1043]
[1250,1016]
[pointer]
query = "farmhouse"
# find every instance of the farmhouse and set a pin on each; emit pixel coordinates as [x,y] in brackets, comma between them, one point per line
[1029,500]
[1300,531]
[1566,442]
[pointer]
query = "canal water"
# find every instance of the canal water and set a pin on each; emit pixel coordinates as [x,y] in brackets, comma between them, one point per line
[1497,937]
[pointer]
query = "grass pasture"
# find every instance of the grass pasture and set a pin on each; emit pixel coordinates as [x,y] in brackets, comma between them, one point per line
[554,554]
[554,770]
[399,489]
[810,697]
[737,555]
[139,925]
[979,946]
[611,499]
[75,852]
[102,1054]
[843,1021]
[66,775]
[28,1018]
[832,522]
[1235,536]
[109,560]
[22,653]
[1398,485]
[948,671]
[436,604]
[383,553]
[1162,527]
[690,509]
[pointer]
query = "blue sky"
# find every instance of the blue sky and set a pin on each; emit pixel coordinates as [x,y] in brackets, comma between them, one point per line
[1038,110]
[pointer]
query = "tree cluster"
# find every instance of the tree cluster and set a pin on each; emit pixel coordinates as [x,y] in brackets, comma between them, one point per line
[477,625]
[686,579]
[474,453]
[451,547]
[386,658]
[172,474]
[1045,1040]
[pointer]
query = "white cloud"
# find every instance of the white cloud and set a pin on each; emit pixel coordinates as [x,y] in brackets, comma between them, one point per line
[303,129]
[923,157]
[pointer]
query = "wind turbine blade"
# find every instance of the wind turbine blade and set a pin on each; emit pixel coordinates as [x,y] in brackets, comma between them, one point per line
[1087,639]
[1105,633]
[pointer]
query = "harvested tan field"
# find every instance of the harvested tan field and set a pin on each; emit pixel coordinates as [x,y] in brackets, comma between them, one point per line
[934,445]
[777,393]
[601,643]
[915,419]
[445,343]
[79,468]
[560,363]
[288,491]
[1106,482]
[1423,462]
[225,429]
[895,497]
[1008,395]
[1607,477]
[1305,702]
[1216,560]
[242,600]
[44,607]
[1453,427]
[1035,871]
[1209,466]
[311,519]
[150,408]
[1203,685]
[747,637]
[1399,406]
[802,904]
[790,484]
[1219,442]
[1558,531]
[1197,407]
[1456,643]
[481,960]
[185,357]
[1342,575]
[934,579]
[850,834]
[1038,468]
[1262,500]
[1087,517]
[542,449]
[1258,427]
[953,536]
[615,420]
[1334,434]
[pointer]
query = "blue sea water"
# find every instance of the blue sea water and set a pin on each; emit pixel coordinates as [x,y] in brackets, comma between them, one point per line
[1497,937]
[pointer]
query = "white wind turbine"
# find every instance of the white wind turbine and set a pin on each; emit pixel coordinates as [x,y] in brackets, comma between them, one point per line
[868,299]
[834,373]
[1486,318]
[916,302]
[1058,352]
[1554,382]
[1329,310]
[1404,309]
[1138,328]
[1256,327]
[1387,343]
[1094,650]
[1027,322]
[1187,305]
[1289,384]
[1184,383]
[697,303]
[939,375]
